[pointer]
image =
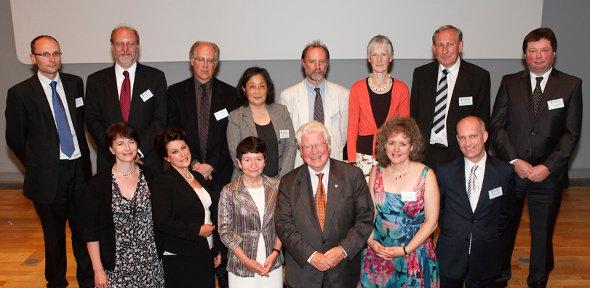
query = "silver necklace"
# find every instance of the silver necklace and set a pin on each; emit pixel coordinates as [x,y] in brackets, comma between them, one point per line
[124,174]
[381,89]
[190,177]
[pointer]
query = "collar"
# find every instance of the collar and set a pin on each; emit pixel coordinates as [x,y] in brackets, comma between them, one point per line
[198,83]
[119,70]
[46,81]
[481,163]
[326,170]
[454,70]
[544,75]
[310,87]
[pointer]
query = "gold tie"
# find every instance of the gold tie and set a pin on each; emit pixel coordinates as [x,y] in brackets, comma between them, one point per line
[320,201]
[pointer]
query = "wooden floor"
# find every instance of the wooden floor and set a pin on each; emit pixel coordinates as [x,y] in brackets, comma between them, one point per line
[22,263]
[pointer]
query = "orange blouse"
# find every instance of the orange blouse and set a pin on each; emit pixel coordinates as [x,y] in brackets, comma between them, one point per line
[360,115]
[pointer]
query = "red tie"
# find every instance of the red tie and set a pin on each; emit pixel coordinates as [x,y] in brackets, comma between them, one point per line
[125,98]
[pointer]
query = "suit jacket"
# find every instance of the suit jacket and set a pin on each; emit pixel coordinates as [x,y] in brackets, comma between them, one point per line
[241,125]
[179,214]
[348,223]
[147,116]
[240,224]
[361,121]
[548,138]
[459,224]
[32,135]
[472,81]
[335,113]
[182,113]
[99,225]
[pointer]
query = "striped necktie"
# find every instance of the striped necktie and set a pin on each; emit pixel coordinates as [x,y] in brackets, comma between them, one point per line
[440,105]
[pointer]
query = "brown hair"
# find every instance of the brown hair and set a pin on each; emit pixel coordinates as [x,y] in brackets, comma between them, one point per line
[406,126]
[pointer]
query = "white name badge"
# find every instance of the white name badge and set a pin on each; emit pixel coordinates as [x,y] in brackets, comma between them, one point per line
[221,114]
[146,95]
[496,192]
[555,104]
[284,134]
[465,101]
[408,196]
[79,102]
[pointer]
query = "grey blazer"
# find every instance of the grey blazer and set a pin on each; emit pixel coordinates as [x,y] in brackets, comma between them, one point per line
[240,225]
[241,125]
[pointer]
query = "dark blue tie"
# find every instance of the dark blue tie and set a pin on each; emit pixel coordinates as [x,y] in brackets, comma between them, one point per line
[66,142]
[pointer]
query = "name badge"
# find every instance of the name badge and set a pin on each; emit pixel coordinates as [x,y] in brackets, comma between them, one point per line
[465,101]
[408,196]
[79,102]
[284,134]
[221,114]
[555,104]
[146,95]
[496,192]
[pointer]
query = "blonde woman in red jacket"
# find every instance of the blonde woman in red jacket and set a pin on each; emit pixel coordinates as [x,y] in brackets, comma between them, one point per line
[372,101]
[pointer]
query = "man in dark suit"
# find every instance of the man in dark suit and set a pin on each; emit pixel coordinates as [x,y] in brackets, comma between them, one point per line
[45,130]
[200,105]
[536,126]
[127,91]
[476,201]
[443,92]
[323,216]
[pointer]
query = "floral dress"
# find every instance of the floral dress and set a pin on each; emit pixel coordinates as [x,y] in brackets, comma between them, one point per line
[136,258]
[396,223]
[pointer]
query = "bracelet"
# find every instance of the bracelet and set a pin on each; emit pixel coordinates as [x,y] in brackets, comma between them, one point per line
[404,248]
[276,250]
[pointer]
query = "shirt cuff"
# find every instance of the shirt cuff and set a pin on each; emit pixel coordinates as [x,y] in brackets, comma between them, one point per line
[309,259]
[139,152]
[512,161]
[343,251]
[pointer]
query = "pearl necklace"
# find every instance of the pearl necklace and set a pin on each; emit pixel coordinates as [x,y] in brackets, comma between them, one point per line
[123,174]
[374,88]
[190,177]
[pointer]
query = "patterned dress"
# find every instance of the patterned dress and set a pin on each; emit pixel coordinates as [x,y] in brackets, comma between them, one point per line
[136,258]
[396,224]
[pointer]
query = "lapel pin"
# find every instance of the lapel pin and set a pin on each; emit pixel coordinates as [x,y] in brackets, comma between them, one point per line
[335,185]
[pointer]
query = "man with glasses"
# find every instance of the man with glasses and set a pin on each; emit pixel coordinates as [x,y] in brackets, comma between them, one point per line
[323,216]
[200,105]
[127,91]
[45,130]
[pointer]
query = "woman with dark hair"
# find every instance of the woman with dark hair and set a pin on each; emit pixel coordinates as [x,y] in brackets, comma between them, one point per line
[400,250]
[184,215]
[372,101]
[119,229]
[246,221]
[261,117]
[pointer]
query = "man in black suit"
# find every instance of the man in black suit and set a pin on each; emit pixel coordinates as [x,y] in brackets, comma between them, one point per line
[477,198]
[200,105]
[324,215]
[45,130]
[536,126]
[443,92]
[127,91]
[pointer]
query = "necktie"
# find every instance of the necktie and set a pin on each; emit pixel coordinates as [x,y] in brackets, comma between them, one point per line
[66,143]
[472,187]
[318,108]
[320,201]
[203,124]
[537,93]
[440,105]
[125,97]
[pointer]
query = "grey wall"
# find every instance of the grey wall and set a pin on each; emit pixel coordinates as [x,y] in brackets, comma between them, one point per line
[565,17]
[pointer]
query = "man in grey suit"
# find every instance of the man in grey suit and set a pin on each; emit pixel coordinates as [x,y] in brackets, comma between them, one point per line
[324,215]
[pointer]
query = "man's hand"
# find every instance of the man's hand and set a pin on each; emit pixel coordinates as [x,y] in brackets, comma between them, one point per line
[522,168]
[205,170]
[334,256]
[320,262]
[206,230]
[539,173]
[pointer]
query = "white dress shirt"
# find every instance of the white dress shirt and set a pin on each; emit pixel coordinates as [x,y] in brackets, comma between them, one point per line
[479,174]
[441,137]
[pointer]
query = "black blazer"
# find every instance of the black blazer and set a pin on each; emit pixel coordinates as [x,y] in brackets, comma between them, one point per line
[457,221]
[179,214]
[98,222]
[472,81]
[32,135]
[147,117]
[182,113]
[549,138]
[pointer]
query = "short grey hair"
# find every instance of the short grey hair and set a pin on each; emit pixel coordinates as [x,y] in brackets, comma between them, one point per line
[313,127]
[448,27]
[379,40]
[196,44]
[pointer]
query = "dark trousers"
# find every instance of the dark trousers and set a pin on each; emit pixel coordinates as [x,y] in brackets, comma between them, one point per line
[543,204]
[221,270]
[53,217]
[187,271]
[465,282]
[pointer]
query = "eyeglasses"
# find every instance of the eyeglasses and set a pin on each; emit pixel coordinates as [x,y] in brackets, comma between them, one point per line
[122,44]
[47,54]
[320,147]
[202,60]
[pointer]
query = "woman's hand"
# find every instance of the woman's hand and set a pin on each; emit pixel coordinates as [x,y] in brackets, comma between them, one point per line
[270,260]
[386,253]
[217,260]
[253,266]
[206,230]
[100,279]
[395,251]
